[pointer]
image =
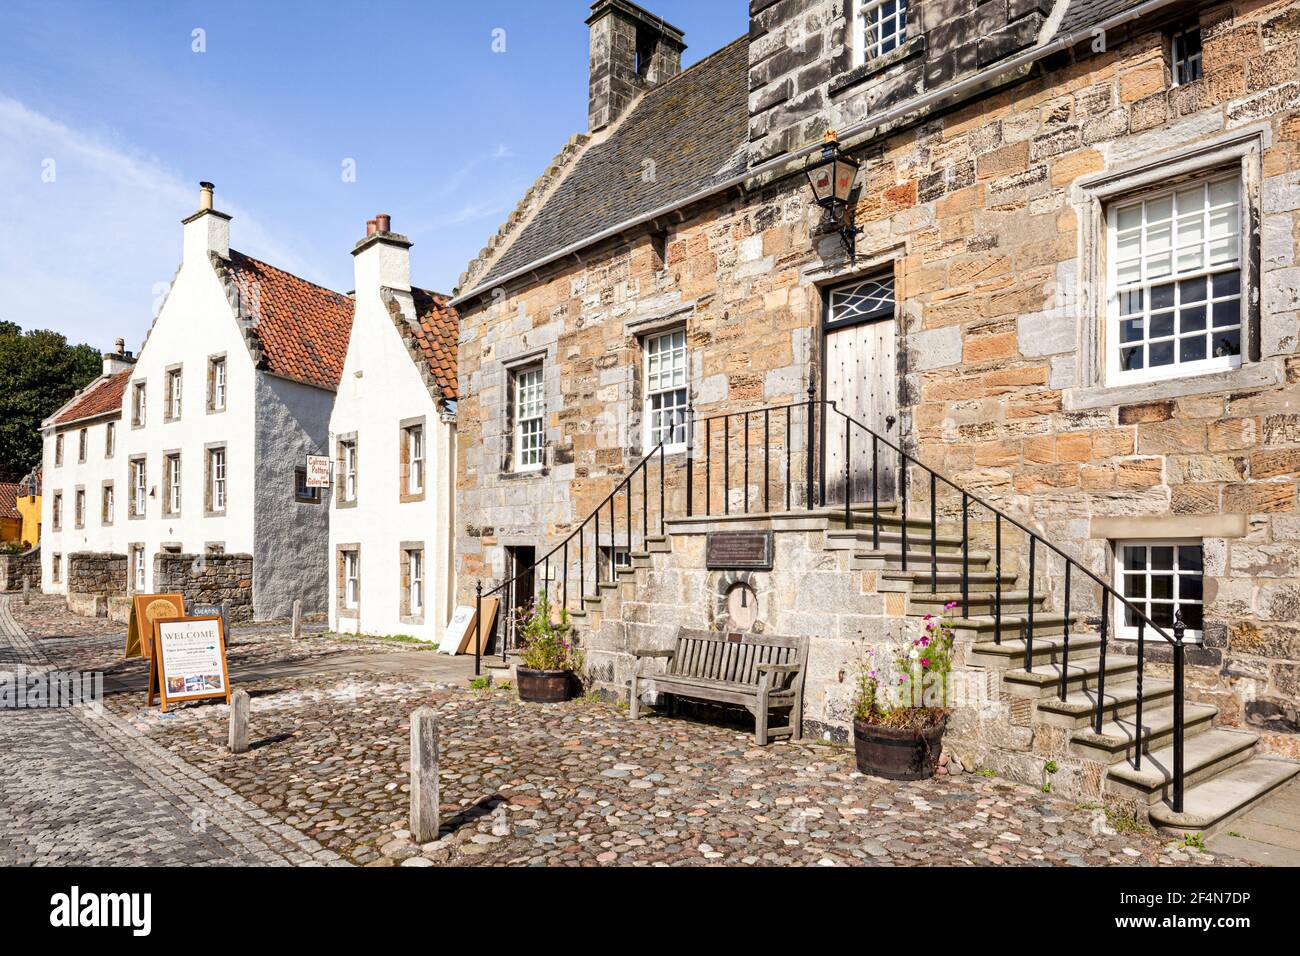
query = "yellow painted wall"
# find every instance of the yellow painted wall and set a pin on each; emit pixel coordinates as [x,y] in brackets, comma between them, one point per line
[29,509]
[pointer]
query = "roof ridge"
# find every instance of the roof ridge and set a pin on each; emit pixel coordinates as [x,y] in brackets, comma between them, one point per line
[291,275]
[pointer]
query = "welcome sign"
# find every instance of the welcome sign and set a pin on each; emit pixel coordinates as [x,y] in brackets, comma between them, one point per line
[190,657]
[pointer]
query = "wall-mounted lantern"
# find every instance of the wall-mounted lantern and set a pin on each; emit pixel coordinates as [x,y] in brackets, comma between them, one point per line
[831,176]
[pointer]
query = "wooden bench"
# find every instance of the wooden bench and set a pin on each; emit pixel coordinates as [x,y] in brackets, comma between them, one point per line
[755,672]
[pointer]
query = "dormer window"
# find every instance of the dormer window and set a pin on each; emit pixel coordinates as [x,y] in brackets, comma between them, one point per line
[879,27]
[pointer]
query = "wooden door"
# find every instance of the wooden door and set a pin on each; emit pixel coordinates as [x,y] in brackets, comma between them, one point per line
[861,378]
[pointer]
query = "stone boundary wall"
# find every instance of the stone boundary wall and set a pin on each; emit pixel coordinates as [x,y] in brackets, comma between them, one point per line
[14,566]
[208,579]
[91,572]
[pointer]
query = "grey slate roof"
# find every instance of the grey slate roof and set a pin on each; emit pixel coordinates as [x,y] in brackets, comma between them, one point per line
[693,129]
[1084,13]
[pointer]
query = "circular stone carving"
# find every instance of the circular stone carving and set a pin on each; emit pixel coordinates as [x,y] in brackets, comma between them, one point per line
[738,603]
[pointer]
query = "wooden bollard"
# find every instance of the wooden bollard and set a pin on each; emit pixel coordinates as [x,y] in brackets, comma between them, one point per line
[424,775]
[27,589]
[239,722]
[296,630]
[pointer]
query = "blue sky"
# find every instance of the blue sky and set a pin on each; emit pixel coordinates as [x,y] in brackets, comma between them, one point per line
[110,102]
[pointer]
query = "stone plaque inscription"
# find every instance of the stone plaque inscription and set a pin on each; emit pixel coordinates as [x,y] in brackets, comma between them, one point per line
[738,549]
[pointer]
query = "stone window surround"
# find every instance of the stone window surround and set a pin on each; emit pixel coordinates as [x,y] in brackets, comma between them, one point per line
[139,404]
[56,567]
[110,439]
[83,443]
[208,449]
[404,550]
[140,461]
[340,472]
[175,475]
[173,377]
[404,494]
[107,489]
[133,551]
[509,368]
[637,331]
[79,506]
[56,511]
[1115,558]
[212,407]
[341,583]
[58,451]
[1091,195]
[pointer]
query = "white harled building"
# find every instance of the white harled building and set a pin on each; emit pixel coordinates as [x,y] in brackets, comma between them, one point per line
[394,445]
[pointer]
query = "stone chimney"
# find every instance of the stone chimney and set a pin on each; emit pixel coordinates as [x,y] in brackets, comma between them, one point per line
[631,51]
[206,230]
[118,360]
[382,259]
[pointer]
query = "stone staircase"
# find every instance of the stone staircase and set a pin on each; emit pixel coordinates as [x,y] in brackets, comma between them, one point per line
[1224,773]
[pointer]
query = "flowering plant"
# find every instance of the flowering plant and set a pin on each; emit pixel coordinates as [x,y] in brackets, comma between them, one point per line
[912,691]
[548,642]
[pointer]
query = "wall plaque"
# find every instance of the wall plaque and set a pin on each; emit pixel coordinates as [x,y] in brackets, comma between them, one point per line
[738,549]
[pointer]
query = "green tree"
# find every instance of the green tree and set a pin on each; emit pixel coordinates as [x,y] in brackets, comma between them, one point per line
[39,371]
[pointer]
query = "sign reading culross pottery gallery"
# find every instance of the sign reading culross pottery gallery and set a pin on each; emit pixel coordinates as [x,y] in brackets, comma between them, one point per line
[189,661]
[738,549]
[318,471]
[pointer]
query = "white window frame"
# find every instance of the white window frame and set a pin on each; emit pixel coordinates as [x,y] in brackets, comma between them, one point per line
[349,471]
[217,473]
[173,384]
[139,404]
[110,439]
[415,582]
[107,504]
[58,451]
[530,429]
[138,568]
[1178,57]
[1122,629]
[1115,375]
[655,427]
[79,508]
[351,579]
[56,511]
[83,445]
[414,459]
[172,482]
[884,34]
[219,385]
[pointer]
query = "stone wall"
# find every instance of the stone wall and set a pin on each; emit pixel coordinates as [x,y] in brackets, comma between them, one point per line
[988,217]
[92,573]
[208,579]
[14,567]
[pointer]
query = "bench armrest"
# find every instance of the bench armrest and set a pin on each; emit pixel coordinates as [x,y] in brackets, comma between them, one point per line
[779,668]
[645,652]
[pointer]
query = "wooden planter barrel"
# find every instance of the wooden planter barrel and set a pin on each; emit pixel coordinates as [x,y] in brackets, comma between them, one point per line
[544,687]
[898,754]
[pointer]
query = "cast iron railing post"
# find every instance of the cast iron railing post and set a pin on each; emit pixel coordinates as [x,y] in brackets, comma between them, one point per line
[596,548]
[875,492]
[645,502]
[934,535]
[478,627]
[1137,729]
[746,443]
[965,555]
[726,464]
[708,467]
[848,476]
[564,588]
[789,455]
[1101,659]
[1065,634]
[997,577]
[690,459]
[902,484]
[1180,631]
[1029,609]
[812,439]
[767,455]
[663,515]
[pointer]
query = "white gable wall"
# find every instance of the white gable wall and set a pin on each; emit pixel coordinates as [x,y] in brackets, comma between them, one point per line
[64,480]
[380,388]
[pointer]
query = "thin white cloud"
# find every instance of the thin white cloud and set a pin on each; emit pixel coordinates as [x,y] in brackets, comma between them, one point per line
[83,254]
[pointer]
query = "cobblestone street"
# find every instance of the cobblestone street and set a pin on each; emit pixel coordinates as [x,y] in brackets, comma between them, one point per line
[569,784]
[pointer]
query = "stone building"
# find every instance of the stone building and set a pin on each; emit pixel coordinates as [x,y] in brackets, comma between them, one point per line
[198,447]
[393,429]
[1072,292]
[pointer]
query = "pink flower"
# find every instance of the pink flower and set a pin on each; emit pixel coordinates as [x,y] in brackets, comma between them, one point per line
[925,662]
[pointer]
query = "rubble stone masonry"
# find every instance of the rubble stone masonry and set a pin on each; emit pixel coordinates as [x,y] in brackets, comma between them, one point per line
[991,218]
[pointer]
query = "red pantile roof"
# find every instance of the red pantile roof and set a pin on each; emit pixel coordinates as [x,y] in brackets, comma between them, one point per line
[102,396]
[434,331]
[9,491]
[301,328]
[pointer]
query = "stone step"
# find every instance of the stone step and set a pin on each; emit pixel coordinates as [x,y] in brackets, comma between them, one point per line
[1046,649]
[1118,738]
[1045,680]
[978,602]
[860,536]
[948,581]
[1209,806]
[918,560]
[1204,756]
[1079,707]
[658,544]
[982,628]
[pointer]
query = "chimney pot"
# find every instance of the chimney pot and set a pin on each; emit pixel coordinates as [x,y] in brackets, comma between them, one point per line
[370,227]
[383,221]
[120,346]
[205,195]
